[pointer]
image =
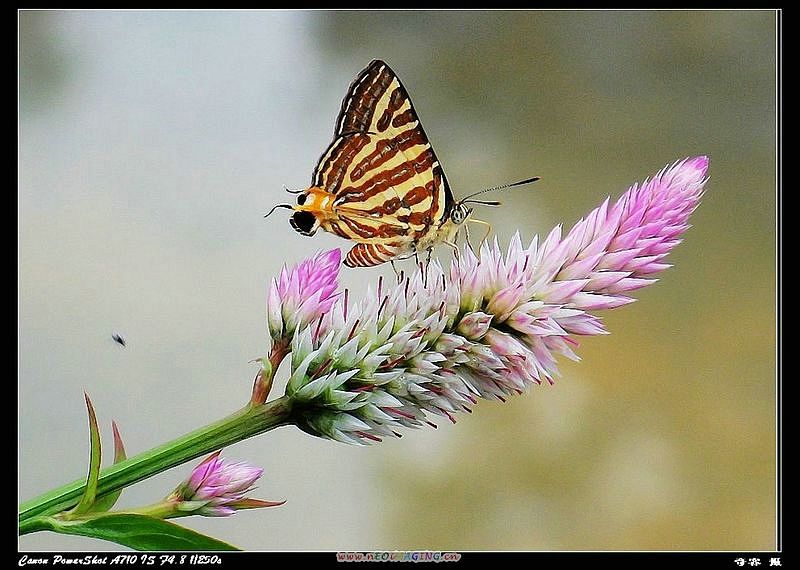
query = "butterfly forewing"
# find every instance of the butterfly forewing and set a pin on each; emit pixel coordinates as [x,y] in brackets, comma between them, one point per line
[389,187]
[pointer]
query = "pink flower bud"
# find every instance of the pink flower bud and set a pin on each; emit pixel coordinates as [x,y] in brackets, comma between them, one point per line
[474,325]
[218,487]
[303,293]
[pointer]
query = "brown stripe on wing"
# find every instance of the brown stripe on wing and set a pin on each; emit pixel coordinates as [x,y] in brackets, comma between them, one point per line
[418,194]
[396,100]
[335,227]
[437,211]
[420,217]
[324,162]
[387,149]
[417,219]
[374,209]
[382,180]
[334,163]
[358,106]
[407,116]
[431,215]
[368,230]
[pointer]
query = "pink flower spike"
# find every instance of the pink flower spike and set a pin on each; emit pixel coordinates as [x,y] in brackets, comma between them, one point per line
[642,224]
[491,326]
[303,293]
[217,487]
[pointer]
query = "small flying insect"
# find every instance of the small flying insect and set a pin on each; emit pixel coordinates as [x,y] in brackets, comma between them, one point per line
[118,338]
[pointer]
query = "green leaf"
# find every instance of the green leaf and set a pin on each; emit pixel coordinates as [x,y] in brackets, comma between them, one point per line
[119,447]
[139,532]
[105,502]
[249,503]
[90,492]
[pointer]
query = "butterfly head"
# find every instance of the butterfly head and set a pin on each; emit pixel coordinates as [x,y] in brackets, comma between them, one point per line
[460,213]
[313,206]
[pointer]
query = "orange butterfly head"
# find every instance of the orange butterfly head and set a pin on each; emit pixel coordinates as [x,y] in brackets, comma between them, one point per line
[313,208]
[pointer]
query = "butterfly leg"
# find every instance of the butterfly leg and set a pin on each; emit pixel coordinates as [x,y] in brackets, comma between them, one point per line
[454,246]
[424,266]
[466,238]
[423,269]
[488,229]
[396,272]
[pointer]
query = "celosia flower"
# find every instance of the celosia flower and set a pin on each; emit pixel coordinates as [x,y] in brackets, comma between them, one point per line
[217,488]
[301,294]
[490,327]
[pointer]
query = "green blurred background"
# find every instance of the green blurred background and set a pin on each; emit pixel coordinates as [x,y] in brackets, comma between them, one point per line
[152,142]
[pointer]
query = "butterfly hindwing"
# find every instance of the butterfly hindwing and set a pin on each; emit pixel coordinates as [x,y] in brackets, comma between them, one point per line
[370,254]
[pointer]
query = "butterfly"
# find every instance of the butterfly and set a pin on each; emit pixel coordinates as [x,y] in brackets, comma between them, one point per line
[379,182]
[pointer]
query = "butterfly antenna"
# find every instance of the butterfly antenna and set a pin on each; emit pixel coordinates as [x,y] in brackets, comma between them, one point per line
[292,191]
[493,188]
[287,206]
[482,202]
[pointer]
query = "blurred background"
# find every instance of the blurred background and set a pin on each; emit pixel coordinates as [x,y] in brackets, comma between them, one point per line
[151,144]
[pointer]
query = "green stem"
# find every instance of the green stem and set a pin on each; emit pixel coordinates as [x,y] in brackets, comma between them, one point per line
[265,376]
[247,422]
[163,510]
[33,525]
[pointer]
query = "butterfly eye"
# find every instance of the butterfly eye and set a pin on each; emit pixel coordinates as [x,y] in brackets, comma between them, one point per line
[459,214]
[301,199]
[303,223]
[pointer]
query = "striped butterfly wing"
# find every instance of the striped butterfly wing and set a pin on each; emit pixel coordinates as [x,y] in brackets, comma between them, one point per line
[389,187]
